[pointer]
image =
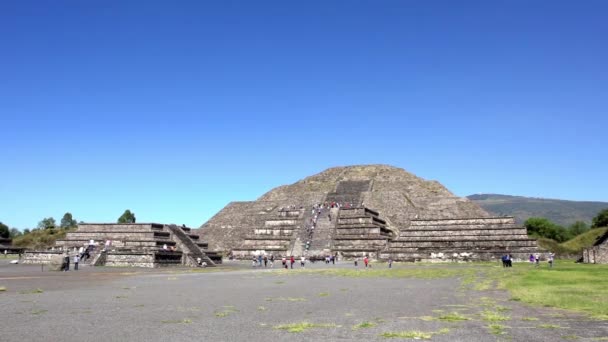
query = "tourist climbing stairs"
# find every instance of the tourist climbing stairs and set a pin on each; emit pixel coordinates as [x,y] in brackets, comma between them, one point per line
[321,243]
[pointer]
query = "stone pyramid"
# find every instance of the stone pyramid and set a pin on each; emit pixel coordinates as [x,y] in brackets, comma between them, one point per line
[379,204]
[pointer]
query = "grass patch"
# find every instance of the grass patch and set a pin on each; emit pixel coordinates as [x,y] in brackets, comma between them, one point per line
[286,299]
[549,326]
[418,335]
[580,242]
[34,291]
[529,319]
[497,329]
[571,286]
[570,337]
[261,308]
[39,312]
[323,294]
[181,321]
[491,316]
[364,325]
[228,310]
[452,317]
[2,288]
[302,326]
[279,282]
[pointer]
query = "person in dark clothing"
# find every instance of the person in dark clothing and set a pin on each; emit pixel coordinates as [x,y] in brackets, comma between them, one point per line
[66,261]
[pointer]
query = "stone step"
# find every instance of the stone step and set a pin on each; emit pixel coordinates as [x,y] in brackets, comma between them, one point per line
[268,237]
[414,233]
[354,220]
[358,231]
[481,220]
[456,227]
[455,237]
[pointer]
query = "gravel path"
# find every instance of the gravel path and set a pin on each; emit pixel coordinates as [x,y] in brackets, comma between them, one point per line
[240,304]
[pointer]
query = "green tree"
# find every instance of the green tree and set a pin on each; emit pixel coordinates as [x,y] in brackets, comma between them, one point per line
[127,217]
[542,227]
[15,233]
[5,233]
[68,221]
[26,231]
[578,228]
[601,220]
[47,223]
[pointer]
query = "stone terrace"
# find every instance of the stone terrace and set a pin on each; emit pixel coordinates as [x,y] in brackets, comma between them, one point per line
[460,239]
[360,232]
[276,235]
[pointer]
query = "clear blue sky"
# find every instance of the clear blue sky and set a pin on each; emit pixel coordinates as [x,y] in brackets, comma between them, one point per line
[172,109]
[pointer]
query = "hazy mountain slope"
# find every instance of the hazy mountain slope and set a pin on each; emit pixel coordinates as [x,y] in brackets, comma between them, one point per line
[559,211]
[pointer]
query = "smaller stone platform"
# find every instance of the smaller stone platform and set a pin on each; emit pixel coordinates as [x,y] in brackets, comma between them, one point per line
[136,244]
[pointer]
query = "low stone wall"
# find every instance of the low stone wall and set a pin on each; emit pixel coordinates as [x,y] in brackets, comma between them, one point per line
[115,227]
[130,259]
[115,235]
[40,258]
[596,254]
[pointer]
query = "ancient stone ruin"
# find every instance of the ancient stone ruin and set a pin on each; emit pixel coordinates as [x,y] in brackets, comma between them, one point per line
[131,244]
[379,211]
[598,253]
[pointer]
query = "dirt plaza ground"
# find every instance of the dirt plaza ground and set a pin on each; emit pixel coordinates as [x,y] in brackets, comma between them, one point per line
[239,303]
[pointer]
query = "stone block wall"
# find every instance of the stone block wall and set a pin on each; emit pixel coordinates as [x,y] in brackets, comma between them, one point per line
[483,238]
[130,260]
[596,254]
[44,258]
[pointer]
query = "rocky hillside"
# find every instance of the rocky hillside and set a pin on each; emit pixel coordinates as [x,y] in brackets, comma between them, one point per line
[561,212]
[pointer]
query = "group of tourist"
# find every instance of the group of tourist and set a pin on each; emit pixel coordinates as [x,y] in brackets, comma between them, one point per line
[535,259]
[268,261]
[368,264]
[507,259]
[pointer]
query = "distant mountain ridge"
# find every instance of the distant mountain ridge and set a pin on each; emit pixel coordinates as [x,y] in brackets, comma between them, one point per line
[562,212]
